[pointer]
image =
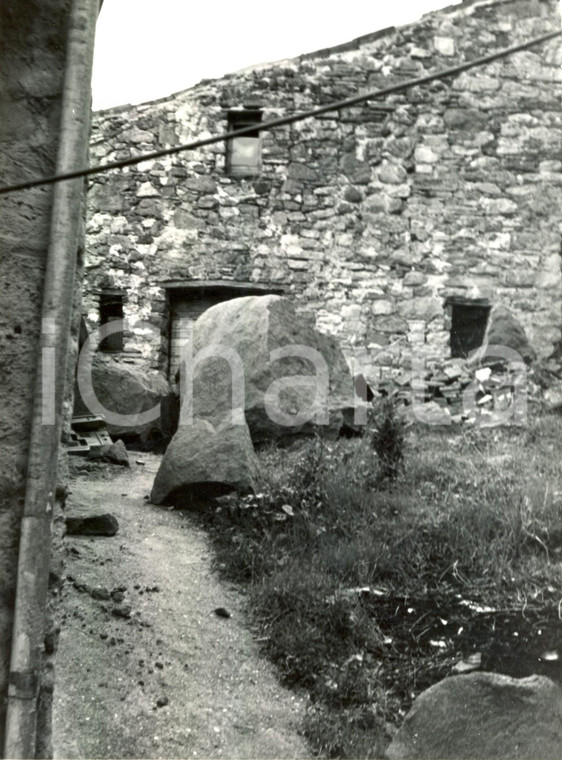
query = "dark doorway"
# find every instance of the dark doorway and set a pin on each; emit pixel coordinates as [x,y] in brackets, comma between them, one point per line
[469,320]
[111,310]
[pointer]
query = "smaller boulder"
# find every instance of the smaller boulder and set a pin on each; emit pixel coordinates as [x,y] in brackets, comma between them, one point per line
[116,453]
[93,525]
[121,610]
[129,397]
[102,593]
[429,413]
[483,715]
[204,461]
[505,330]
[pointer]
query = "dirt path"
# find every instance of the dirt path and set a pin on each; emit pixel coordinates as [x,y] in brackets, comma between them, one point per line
[222,698]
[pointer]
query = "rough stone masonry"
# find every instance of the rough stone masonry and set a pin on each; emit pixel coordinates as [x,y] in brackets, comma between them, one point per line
[32,66]
[379,220]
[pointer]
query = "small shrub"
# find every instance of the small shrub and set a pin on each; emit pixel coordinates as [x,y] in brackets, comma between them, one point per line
[353,733]
[388,439]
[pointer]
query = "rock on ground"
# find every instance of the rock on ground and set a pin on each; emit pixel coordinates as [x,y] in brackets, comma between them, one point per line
[483,715]
[253,327]
[205,460]
[116,453]
[429,413]
[92,525]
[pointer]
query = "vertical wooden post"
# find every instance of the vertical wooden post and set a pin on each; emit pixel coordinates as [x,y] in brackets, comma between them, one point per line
[59,284]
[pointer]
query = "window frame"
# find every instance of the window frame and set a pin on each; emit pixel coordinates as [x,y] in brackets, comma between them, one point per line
[238,119]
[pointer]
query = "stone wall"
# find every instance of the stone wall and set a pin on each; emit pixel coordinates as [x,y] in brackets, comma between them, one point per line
[32,59]
[371,217]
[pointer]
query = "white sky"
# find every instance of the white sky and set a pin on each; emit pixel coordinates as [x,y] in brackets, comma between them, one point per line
[147,49]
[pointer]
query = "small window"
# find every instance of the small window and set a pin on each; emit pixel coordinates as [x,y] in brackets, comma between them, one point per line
[469,320]
[111,309]
[243,154]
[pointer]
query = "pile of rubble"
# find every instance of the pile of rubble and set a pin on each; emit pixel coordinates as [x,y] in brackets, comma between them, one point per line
[548,375]
[454,392]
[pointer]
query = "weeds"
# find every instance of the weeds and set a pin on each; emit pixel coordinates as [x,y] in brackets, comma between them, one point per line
[388,438]
[471,512]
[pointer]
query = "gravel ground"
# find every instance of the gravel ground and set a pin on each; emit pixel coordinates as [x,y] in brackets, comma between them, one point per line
[153,671]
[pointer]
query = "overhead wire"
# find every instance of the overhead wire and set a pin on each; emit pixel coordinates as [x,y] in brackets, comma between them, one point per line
[291,119]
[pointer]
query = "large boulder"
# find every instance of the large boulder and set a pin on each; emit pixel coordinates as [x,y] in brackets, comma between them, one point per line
[276,402]
[129,393]
[204,461]
[483,715]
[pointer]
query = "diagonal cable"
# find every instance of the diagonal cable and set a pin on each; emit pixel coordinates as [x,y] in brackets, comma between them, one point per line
[267,125]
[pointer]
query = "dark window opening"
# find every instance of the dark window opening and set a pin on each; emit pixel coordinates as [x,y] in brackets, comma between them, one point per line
[469,320]
[111,310]
[243,154]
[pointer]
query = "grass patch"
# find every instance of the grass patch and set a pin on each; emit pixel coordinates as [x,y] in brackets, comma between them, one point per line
[339,541]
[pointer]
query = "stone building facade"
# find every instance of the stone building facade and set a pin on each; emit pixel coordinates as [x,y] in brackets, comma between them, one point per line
[397,224]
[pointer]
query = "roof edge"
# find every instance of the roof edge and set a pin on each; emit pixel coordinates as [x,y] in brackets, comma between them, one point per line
[354,44]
